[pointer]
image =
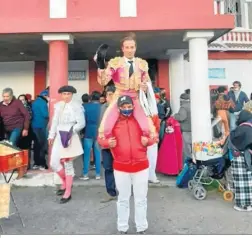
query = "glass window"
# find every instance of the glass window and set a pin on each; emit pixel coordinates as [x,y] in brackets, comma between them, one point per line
[234,7]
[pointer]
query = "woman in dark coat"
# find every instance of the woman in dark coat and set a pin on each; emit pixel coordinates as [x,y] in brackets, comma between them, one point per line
[26,142]
[241,166]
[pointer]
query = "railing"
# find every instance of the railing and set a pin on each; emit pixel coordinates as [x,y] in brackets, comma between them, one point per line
[238,35]
[238,39]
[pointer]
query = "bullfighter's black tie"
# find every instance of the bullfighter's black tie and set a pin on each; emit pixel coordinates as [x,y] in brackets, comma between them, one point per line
[131,69]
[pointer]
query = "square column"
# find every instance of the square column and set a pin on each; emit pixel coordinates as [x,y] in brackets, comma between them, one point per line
[163,77]
[200,93]
[58,64]
[58,67]
[39,77]
[245,12]
[176,72]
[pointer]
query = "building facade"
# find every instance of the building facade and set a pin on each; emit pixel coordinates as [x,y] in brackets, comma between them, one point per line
[189,44]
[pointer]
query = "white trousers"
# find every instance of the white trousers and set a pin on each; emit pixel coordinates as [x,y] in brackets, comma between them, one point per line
[152,154]
[124,181]
[55,162]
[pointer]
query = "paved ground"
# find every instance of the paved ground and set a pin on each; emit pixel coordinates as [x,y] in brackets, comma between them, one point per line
[36,178]
[170,211]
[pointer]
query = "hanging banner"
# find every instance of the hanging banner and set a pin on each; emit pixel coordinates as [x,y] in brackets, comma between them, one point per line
[5,200]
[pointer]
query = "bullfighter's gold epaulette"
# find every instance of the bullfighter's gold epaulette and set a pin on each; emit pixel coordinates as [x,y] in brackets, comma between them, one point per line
[114,63]
[143,65]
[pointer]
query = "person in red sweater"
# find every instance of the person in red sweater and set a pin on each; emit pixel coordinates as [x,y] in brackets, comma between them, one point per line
[131,166]
[15,117]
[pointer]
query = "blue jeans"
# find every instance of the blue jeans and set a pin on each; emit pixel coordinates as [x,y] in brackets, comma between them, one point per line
[89,144]
[40,146]
[232,121]
[14,136]
[107,159]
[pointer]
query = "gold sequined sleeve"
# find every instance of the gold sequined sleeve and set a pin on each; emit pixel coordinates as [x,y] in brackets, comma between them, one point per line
[104,76]
[144,67]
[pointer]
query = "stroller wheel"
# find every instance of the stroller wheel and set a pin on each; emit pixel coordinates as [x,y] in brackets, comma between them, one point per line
[199,192]
[228,196]
[190,185]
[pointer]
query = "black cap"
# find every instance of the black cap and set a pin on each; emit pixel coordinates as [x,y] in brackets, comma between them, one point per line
[101,56]
[124,100]
[67,89]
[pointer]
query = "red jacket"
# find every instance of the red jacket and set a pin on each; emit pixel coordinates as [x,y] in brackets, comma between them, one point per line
[129,154]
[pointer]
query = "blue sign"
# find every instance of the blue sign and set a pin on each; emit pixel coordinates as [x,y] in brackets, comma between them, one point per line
[216,73]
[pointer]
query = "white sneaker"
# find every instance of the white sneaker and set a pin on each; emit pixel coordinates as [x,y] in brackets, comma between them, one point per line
[249,208]
[240,209]
[156,181]
[41,168]
[85,178]
[97,177]
[35,167]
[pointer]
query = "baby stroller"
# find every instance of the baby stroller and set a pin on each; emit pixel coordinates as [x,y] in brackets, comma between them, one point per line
[210,170]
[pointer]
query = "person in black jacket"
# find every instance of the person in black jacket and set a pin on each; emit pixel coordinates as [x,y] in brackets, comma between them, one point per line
[160,107]
[165,102]
[107,156]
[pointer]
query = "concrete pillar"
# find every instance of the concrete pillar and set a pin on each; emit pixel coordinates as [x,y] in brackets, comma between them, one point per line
[200,94]
[245,13]
[58,64]
[39,77]
[176,72]
[163,77]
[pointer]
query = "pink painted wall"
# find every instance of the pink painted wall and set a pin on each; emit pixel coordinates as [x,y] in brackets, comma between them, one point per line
[28,16]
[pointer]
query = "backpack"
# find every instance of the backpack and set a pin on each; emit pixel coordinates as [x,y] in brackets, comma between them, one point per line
[186,174]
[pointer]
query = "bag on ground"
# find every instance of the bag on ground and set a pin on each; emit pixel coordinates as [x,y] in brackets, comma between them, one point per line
[186,174]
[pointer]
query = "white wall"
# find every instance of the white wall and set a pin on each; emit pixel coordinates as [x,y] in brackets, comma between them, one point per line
[81,86]
[20,76]
[17,75]
[240,70]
